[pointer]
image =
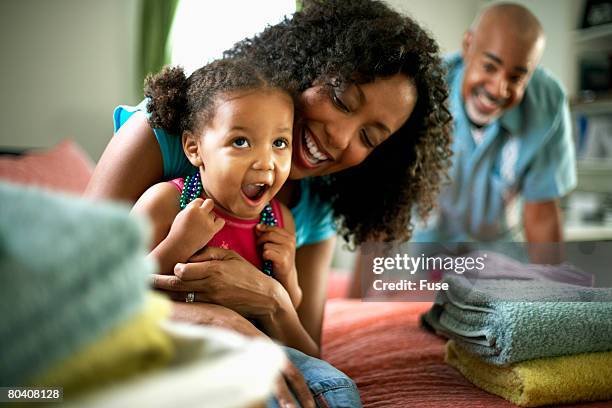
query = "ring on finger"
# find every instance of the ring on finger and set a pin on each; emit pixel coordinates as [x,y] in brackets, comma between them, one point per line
[190,298]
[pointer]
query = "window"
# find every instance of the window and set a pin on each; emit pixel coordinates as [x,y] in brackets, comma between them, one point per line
[202,30]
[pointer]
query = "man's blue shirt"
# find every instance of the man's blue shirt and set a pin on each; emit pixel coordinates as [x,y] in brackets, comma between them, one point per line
[526,154]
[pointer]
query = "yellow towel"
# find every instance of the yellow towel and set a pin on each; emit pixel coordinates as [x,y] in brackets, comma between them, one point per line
[532,383]
[135,346]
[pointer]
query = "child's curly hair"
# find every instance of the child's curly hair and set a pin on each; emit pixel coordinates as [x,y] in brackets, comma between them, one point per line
[342,42]
[178,103]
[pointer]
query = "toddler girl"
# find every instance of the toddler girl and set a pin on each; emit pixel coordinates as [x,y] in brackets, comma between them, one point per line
[236,124]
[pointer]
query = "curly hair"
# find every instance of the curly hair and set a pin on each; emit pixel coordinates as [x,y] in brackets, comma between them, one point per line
[343,42]
[178,103]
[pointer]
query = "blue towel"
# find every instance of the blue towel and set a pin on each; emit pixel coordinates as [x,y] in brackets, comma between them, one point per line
[509,321]
[70,270]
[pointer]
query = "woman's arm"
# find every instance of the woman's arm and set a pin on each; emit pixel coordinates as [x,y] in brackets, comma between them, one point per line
[223,277]
[313,262]
[209,314]
[131,163]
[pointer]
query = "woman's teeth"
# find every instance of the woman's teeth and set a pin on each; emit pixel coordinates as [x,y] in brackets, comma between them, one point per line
[316,155]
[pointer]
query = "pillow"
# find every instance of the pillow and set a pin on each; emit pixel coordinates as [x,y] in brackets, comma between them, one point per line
[64,167]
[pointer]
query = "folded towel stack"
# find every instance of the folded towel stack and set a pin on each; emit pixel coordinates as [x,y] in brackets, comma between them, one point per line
[544,381]
[503,322]
[71,271]
[133,347]
[507,321]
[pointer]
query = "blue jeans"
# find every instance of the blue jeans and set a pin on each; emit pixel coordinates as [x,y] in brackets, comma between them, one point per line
[330,387]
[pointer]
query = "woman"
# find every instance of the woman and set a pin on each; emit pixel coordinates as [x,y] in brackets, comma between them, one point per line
[371,141]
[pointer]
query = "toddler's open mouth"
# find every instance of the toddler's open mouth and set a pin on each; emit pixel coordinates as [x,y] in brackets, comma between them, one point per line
[254,191]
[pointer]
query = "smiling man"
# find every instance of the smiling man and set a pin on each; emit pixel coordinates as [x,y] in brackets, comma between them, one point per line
[512,137]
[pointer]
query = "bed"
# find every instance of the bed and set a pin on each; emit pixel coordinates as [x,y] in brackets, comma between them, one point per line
[394,362]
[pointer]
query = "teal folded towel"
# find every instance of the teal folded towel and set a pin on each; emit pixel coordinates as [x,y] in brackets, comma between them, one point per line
[508,321]
[70,270]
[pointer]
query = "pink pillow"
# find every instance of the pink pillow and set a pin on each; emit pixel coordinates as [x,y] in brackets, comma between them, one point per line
[338,283]
[64,167]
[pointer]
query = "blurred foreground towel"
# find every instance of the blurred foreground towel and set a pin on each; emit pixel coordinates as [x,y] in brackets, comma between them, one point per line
[555,380]
[70,270]
[136,346]
[507,321]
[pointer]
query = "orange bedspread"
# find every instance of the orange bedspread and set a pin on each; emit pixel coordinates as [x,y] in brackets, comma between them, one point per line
[394,362]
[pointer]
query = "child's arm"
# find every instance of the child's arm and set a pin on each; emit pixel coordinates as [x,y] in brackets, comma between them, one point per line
[278,246]
[177,235]
[284,325]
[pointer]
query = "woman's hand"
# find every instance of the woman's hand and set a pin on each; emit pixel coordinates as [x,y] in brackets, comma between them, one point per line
[278,246]
[223,277]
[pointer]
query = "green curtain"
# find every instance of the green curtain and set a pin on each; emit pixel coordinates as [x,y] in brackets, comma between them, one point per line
[156,21]
[300,4]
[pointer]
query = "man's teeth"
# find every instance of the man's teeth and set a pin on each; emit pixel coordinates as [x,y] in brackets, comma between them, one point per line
[313,149]
[486,101]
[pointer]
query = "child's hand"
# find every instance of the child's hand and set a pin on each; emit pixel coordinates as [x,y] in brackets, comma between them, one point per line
[195,225]
[278,246]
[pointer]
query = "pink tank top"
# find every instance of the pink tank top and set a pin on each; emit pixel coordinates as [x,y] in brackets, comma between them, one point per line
[238,234]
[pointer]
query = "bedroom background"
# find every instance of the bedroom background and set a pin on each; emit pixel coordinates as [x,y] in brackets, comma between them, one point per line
[68,63]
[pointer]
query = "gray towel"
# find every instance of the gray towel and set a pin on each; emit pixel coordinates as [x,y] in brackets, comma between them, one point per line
[508,321]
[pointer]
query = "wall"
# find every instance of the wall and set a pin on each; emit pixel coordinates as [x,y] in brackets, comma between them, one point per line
[559,18]
[445,19]
[65,65]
